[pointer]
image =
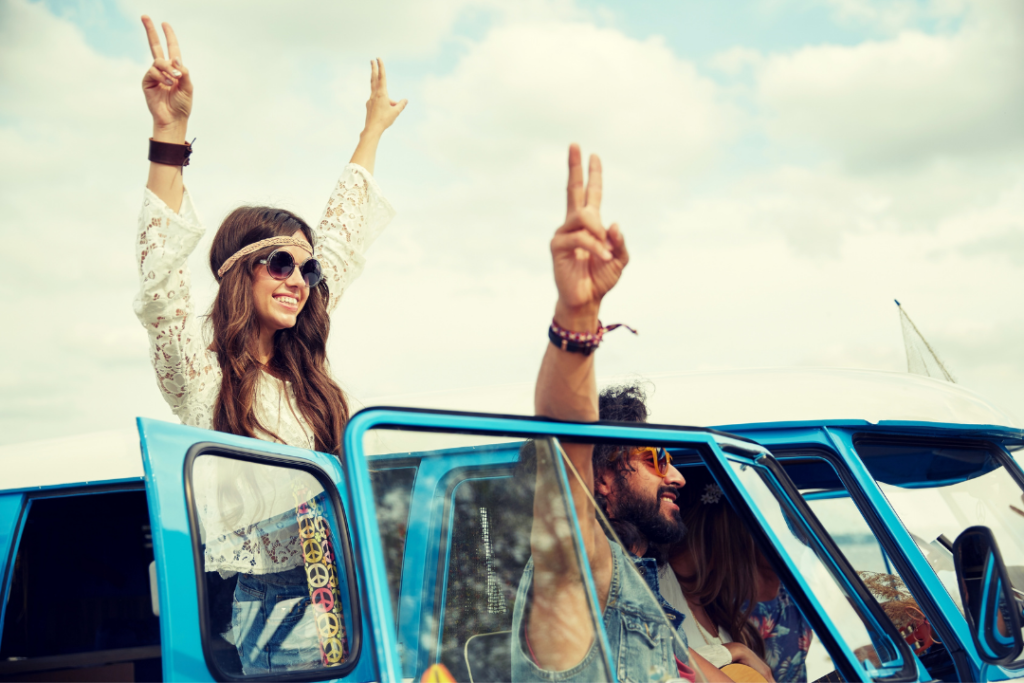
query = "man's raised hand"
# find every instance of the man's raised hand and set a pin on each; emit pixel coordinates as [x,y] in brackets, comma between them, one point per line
[588,259]
[381,110]
[167,86]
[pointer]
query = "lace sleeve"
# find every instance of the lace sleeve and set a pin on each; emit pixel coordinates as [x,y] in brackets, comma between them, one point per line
[356,214]
[164,305]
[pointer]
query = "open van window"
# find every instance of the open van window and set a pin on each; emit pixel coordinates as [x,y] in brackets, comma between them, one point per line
[80,596]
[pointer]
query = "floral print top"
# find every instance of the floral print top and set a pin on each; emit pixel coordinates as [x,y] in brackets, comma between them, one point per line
[787,637]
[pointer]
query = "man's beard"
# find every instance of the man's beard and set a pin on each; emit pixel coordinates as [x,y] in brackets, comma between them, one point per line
[645,514]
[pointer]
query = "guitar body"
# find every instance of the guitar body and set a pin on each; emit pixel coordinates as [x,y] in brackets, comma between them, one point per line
[741,673]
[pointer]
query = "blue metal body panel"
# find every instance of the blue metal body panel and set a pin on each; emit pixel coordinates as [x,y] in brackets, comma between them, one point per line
[12,521]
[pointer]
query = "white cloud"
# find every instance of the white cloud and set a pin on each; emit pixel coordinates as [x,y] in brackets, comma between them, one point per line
[910,99]
[895,15]
[780,262]
[550,83]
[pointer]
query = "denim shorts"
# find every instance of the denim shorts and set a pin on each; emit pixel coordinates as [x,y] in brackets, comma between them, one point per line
[273,623]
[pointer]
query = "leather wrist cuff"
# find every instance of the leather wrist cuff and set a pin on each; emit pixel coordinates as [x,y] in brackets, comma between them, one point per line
[168,153]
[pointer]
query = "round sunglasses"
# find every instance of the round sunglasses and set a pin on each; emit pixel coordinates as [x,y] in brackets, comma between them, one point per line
[281,264]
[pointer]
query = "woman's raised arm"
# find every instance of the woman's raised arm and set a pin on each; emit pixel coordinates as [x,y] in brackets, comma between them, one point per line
[381,112]
[168,91]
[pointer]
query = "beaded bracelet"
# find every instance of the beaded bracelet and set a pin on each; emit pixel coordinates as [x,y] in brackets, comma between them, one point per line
[581,342]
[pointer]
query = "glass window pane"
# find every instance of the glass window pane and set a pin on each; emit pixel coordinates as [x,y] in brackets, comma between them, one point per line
[837,603]
[471,543]
[940,489]
[276,581]
[828,497]
[392,490]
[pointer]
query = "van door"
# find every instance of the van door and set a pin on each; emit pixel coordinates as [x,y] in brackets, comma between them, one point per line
[444,525]
[254,566]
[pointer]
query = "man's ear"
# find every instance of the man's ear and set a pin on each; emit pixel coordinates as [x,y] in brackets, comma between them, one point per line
[603,483]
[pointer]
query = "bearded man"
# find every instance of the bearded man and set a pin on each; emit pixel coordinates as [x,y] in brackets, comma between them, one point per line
[552,631]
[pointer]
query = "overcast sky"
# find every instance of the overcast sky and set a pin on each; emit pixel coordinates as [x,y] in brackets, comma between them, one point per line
[782,170]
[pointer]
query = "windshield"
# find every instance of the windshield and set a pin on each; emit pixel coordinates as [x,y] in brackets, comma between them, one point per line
[943,490]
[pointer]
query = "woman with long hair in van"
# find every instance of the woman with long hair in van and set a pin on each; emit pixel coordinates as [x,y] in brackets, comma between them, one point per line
[262,371]
[739,612]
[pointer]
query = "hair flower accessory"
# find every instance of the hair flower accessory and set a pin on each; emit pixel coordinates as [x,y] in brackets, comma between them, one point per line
[712,494]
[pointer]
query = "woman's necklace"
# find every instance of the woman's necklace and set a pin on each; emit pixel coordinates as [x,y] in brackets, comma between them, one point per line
[704,633]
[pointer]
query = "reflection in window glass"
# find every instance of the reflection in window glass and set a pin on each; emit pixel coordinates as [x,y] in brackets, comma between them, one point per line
[277,593]
[830,593]
[475,549]
[487,556]
[392,489]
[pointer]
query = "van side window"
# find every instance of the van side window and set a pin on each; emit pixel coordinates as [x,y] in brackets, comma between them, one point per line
[276,590]
[80,592]
[489,548]
[827,495]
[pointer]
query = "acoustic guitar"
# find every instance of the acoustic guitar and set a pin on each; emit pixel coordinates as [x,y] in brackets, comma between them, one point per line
[741,673]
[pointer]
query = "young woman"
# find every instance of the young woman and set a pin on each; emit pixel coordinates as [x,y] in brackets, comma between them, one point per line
[262,372]
[737,611]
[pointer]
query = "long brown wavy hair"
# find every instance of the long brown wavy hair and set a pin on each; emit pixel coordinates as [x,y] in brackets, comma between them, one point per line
[725,558]
[300,352]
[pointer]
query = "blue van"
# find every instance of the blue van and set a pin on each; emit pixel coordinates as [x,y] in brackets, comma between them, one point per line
[160,554]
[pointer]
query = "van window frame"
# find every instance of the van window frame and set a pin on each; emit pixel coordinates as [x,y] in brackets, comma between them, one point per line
[198,556]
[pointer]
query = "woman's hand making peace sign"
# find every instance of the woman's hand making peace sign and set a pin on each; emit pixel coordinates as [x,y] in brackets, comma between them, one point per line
[588,259]
[167,86]
[168,91]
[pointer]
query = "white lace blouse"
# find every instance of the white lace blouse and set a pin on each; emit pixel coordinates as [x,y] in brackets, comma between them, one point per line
[187,371]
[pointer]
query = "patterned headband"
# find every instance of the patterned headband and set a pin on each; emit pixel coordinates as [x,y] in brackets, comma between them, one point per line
[256,246]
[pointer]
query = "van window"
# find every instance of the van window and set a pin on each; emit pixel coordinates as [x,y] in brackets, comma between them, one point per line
[822,487]
[464,520]
[392,490]
[276,595]
[80,591]
[486,558]
[940,488]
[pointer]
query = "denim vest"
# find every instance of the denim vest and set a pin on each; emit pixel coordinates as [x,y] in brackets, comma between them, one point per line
[639,640]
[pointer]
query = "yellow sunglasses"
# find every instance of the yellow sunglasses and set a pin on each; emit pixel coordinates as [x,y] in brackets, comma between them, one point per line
[658,458]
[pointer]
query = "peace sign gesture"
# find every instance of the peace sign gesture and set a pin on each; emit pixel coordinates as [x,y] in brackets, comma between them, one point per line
[588,259]
[167,85]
